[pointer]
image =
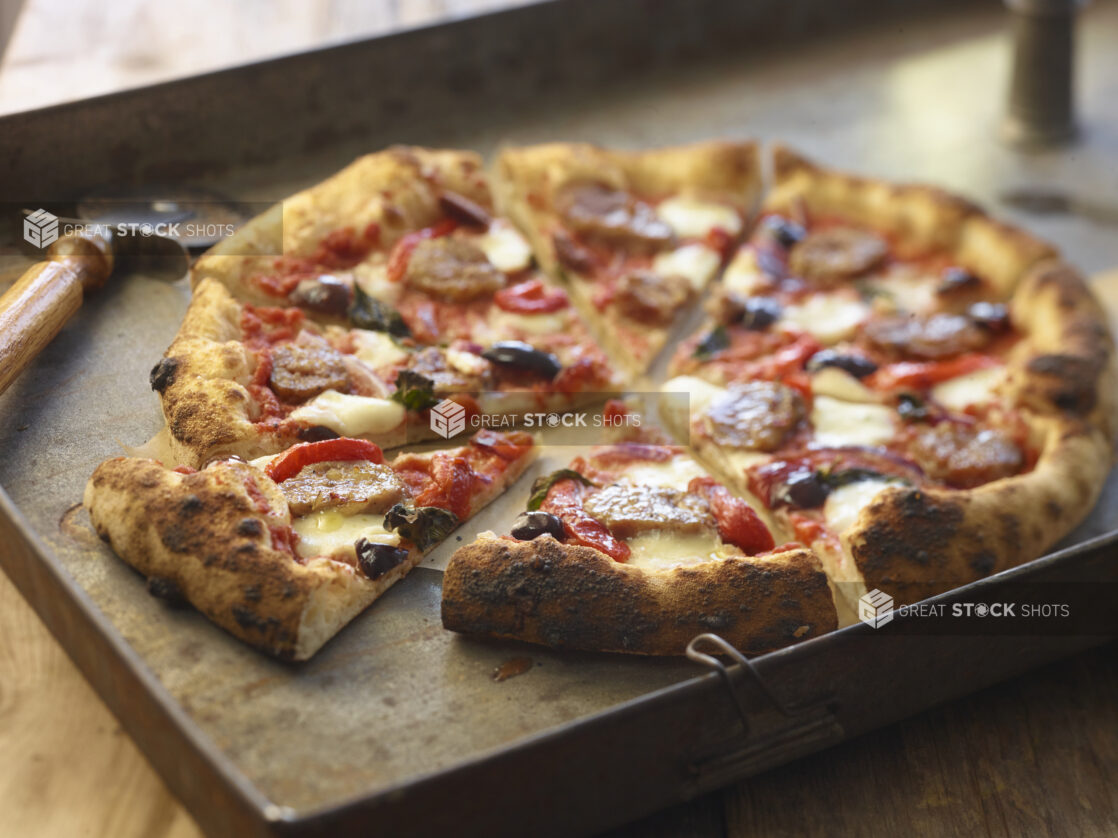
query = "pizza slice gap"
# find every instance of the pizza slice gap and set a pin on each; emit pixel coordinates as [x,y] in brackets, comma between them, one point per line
[635,548]
[637,235]
[248,380]
[283,552]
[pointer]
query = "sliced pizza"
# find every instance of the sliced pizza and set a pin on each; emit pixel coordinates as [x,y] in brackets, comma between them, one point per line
[285,551]
[922,394]
[638,235]
[636,548]
[248,380]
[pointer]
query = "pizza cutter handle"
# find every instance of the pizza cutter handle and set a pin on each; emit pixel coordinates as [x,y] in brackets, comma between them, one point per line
[38,305]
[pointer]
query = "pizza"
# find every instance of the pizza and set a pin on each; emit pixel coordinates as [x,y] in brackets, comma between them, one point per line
[636,548]
[284,551]
[921,394]
[637,235]
[396,286]
[891,390]
[247,380]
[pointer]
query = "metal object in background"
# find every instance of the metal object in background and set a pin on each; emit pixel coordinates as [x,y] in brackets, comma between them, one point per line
[1041,95]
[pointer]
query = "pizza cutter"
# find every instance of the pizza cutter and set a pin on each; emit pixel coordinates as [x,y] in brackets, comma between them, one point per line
[113,231]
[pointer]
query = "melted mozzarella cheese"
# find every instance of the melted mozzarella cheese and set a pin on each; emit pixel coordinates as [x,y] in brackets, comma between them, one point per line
[675,474]
[843,505]
[504,247]
[660,550]
[838,423]
[503,323]
[690,217]
[829,317]
[909,292]
[466,363]
[329,533]
[701,393]
[372,278]
[377,349]
[976,387]
[839,384]
[696,263]
[351,415]
[743,275]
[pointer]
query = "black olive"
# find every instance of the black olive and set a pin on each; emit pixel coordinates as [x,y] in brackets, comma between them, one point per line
[802,489]
[534,524]
[167,590]
[163,373]
[377,559]
[785,231]
[911,408]
[515,353]
[854,364]
[954,279]
[759,313]
[325,294]
[992,316]
[316,433]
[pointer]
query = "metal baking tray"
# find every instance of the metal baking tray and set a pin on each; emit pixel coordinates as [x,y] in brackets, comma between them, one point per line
[398,723]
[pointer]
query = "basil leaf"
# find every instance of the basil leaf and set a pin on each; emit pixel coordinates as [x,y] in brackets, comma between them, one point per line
[370,313]
[423,526]
[543,485]
[715,341]
[414,391]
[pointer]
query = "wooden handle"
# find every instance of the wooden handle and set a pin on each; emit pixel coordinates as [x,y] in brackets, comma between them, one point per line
[35,309]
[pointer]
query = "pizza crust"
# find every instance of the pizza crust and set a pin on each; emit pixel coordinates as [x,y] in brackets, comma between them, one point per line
[573,597]
[205,534]
[917,218]
[527,179]
[397,189]
[202,385]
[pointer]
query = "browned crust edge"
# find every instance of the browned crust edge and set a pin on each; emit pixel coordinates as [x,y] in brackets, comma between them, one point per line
[202,380]
[397,189]
[573,597]
[526,178]
[919,216]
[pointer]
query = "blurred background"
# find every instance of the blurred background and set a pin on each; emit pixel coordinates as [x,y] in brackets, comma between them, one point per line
[63,50]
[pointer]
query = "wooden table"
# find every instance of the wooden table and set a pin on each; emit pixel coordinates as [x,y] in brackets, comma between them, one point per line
[1034,756]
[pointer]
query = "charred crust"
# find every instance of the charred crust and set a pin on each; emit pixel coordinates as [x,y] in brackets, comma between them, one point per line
[573,597]
[1069,382]
[166,589]
[190,505]
[250,527]
[163,374]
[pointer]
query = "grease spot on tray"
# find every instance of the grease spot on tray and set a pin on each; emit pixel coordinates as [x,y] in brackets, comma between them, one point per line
[511,668]
[77,530]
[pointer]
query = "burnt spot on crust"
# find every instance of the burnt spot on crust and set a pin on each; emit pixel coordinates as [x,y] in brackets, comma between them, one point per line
[568,596]
[163,374]
[1067,381]
[907,527]
[982,562]
[250,527]
[190,505]
[252,593]
[248,619]
[166,589]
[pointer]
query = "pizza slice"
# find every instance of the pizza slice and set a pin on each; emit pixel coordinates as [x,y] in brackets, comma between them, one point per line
[283,552]
[637,235]
[247,380]
[636,548]
[944,411]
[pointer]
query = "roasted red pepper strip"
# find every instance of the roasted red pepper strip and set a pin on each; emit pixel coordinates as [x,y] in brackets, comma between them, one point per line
[920,375]
[298,457]
[737,523]
[564,500]
[531,297]
[401,253]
